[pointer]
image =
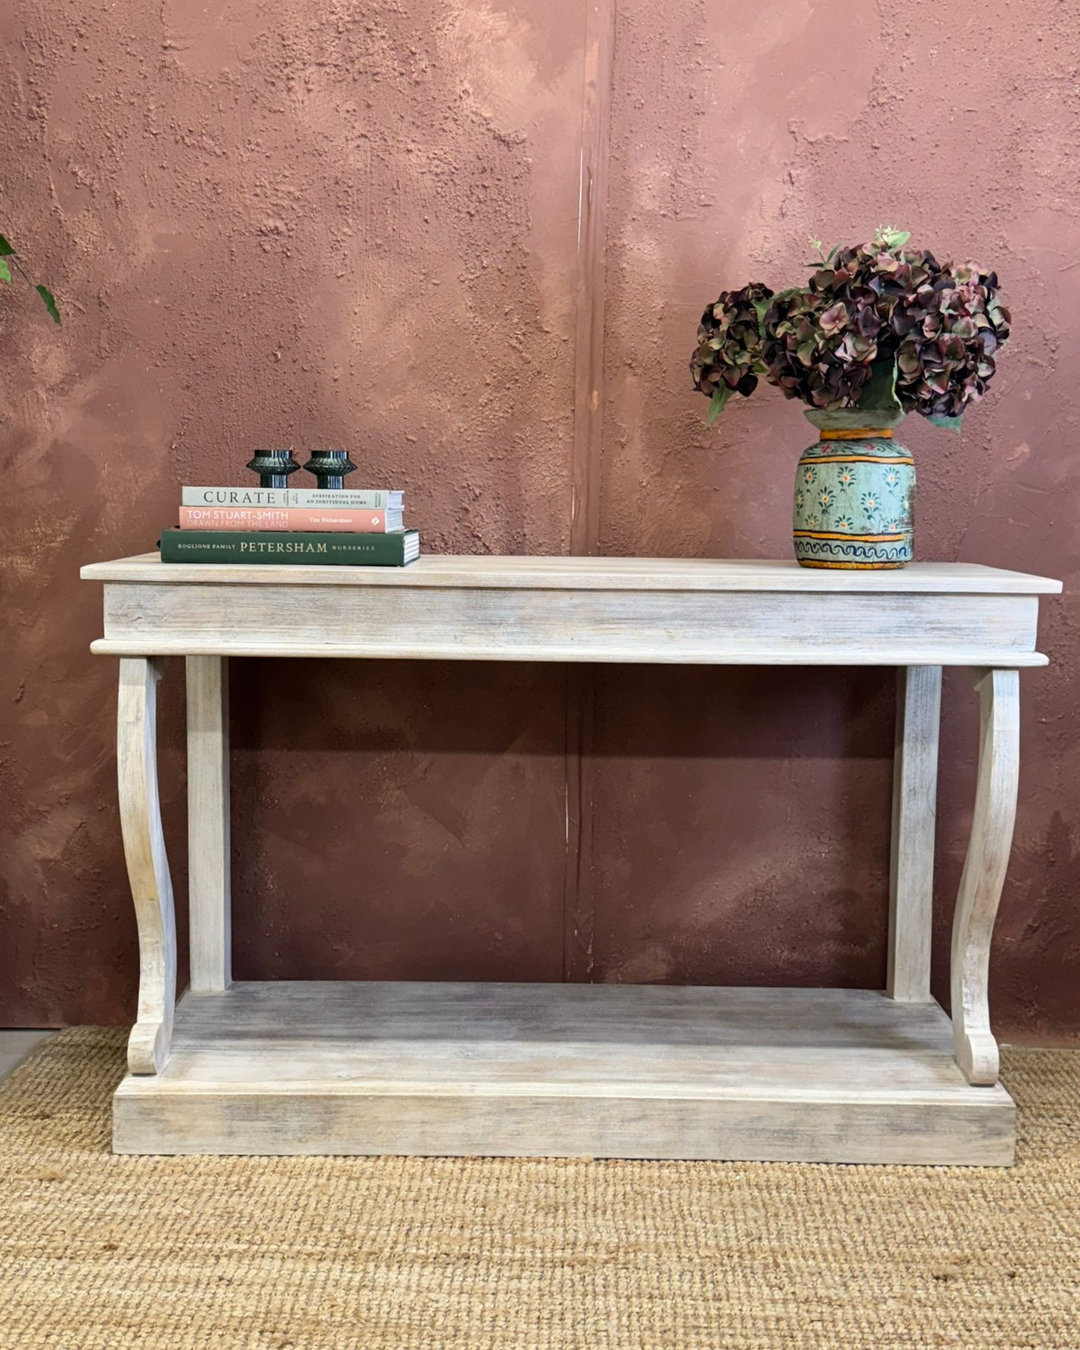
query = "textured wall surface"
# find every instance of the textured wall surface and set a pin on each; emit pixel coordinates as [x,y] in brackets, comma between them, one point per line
[373,226]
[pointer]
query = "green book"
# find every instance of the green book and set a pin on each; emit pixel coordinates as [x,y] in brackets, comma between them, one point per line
[396,549]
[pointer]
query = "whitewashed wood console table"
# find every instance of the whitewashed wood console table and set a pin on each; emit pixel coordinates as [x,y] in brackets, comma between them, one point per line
[634,1071]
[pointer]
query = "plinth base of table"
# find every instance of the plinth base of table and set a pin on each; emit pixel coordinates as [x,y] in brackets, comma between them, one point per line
[626,1071]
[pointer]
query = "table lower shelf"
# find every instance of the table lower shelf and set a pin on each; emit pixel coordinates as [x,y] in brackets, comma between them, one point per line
[629,1071]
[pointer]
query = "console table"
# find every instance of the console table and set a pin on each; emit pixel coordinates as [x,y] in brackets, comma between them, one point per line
[545,1069]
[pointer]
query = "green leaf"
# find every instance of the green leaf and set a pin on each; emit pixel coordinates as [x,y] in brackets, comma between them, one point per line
[5,271]
[890,238]
[718,402]
[879,391]
[5,247]
[50,302]
[949,423]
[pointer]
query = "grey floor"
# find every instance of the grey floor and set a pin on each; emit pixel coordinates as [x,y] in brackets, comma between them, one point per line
[16,1045]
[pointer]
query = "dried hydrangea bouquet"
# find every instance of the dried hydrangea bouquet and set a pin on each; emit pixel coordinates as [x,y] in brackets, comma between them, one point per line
[877,332]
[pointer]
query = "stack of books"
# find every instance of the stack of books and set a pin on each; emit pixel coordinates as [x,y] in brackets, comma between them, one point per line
[290,525]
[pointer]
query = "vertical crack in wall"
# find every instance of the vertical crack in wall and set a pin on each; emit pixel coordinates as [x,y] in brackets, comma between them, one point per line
[585,475]
[591,245]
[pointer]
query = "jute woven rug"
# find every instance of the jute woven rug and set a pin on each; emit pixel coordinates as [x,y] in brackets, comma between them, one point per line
[421,1254]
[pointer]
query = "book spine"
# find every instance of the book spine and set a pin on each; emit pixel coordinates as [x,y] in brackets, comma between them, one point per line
[320,520]
[375,499]
[235,497]
[278,547]
[289,518]
[347,499]
[234,518]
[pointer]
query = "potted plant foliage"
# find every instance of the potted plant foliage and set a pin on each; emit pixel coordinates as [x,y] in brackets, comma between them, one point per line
[877,332]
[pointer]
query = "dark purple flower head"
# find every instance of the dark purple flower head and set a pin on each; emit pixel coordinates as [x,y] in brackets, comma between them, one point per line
[875,305]
[728,351]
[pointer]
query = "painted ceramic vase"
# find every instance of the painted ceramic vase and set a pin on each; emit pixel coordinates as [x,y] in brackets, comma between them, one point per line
[855,493]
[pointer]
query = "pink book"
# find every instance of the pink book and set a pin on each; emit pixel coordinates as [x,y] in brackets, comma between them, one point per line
[312,519]
[234,518]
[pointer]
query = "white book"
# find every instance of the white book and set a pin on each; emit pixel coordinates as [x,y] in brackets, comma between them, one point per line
[347,499]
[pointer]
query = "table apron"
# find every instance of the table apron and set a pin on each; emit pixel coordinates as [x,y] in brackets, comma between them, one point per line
[719,627]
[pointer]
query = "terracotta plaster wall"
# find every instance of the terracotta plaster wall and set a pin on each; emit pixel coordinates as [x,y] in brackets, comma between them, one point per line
[363,226]
[351,225]
[732,144]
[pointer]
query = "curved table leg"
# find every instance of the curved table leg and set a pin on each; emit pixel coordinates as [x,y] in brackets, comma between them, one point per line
[148,867]
[984,872]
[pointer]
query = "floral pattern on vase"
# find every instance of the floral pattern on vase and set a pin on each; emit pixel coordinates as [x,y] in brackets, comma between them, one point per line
[854,494]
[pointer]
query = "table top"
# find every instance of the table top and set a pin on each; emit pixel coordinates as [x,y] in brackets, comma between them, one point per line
[476,571]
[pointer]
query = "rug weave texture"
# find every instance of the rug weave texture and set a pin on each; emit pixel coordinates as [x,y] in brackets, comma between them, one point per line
[101,1253]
